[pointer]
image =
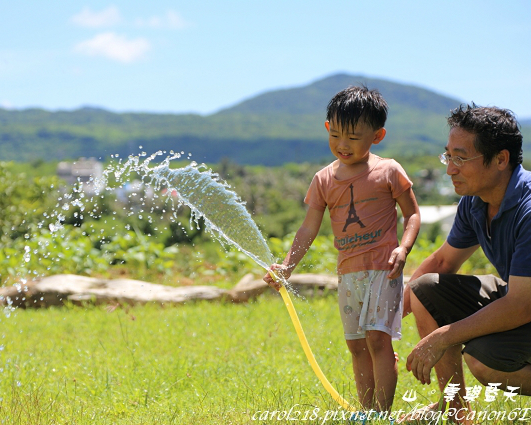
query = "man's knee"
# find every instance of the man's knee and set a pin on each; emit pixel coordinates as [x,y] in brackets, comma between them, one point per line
[480,371]
[426,279]
[422,283]
[426,323]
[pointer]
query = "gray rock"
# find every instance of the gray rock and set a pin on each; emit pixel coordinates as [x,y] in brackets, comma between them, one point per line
[306,284]
[60,289]
[248,288]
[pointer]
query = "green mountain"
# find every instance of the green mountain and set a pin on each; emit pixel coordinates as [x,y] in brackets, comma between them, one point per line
[272,128]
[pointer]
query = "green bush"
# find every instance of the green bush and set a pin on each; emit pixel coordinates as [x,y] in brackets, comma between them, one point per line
[424,246]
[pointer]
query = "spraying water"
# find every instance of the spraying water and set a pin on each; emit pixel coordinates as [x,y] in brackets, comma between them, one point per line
[221,208]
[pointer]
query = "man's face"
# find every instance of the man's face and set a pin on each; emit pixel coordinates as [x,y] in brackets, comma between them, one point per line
[473,178]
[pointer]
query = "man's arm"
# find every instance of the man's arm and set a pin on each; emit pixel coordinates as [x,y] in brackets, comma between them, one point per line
[506,313]
[446,259]
[509,312]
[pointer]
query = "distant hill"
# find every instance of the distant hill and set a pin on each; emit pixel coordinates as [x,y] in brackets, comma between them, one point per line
[312,99]
[271,128]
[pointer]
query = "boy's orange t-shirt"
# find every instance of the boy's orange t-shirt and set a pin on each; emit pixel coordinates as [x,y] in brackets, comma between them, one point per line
[362,211]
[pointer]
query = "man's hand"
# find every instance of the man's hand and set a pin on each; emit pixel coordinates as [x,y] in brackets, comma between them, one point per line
[426,354]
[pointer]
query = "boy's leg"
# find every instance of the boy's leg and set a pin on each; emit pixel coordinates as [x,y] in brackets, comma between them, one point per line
[363,371]
[384,368]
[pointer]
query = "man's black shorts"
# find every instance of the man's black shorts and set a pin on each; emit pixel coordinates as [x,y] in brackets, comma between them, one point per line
[452,297]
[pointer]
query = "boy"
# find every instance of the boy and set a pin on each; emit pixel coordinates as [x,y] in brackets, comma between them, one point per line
[361,191]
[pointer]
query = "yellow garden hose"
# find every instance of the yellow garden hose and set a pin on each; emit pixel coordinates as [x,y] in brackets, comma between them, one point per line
[308,351]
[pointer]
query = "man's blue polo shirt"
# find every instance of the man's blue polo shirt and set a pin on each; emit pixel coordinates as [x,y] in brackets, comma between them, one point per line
[509,245]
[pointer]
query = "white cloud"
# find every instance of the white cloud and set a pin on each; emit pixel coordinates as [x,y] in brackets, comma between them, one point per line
[171,20]
[6,104]
[105,18]
[115,47]
[175,20]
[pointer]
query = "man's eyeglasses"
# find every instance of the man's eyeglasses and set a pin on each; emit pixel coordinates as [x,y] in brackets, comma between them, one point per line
[457,160]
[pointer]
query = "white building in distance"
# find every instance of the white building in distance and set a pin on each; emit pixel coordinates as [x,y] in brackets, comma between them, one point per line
[87,171]
[443,214]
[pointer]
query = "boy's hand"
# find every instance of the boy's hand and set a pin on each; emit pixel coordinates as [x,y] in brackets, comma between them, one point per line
[281,271]
[397,261]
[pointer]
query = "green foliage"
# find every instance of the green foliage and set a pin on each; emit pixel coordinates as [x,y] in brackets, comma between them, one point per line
[320,258]
[424,246]
[23,202]
[140,252]
[274,196]
[47,253]
[72,250]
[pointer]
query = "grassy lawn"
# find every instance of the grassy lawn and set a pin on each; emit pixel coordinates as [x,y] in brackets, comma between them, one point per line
[202,363]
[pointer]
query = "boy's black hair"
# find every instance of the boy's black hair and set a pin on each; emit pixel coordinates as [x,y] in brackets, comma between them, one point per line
[357,103]
[495,129]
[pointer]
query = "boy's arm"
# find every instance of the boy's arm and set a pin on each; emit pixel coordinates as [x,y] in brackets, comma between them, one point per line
[410,211]
[301,243]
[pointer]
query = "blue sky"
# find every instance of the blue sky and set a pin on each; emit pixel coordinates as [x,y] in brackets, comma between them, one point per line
[183,56]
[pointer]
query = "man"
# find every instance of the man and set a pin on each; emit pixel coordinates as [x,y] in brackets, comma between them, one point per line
[489,315]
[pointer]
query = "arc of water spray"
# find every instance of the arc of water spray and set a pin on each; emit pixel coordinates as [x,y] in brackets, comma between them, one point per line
[228,220]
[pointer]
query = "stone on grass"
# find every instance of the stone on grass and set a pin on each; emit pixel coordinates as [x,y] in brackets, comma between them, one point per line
[59,289]
[67,288]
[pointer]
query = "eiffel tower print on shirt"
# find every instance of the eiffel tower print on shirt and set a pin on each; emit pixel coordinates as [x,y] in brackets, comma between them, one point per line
[352,216]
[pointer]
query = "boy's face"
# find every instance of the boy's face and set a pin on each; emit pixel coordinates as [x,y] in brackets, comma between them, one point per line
[352,146]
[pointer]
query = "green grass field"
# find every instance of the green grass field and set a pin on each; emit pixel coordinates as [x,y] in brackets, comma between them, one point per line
[200,363]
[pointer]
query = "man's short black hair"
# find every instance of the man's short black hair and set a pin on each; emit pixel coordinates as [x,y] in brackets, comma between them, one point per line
[353,104]
[495,129]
